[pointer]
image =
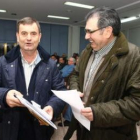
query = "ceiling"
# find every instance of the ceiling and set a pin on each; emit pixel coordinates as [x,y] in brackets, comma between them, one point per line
[39,9]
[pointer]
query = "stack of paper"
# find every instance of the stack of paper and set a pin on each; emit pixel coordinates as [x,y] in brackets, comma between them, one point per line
[37,111]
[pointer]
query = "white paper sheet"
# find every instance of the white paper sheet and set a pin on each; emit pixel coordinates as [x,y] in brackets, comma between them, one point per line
[35,108]
[72,98]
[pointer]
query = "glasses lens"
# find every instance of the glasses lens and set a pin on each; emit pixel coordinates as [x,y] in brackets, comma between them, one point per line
[88,31]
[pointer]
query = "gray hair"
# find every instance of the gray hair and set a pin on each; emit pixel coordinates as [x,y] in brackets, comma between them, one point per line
[73,59]
[107,17]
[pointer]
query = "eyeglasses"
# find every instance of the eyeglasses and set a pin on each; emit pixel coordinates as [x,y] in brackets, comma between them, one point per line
[87,31]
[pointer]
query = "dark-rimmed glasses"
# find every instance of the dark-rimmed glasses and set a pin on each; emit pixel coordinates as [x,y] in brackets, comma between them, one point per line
[90,32]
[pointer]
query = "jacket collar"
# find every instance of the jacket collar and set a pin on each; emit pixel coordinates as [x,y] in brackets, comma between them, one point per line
[119,48]
[15,53]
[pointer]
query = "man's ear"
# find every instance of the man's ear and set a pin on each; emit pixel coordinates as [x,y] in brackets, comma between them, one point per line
[109,31]
[17,35]
[40,37]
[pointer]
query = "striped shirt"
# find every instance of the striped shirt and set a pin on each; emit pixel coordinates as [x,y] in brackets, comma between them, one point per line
[93,65]
[98,55]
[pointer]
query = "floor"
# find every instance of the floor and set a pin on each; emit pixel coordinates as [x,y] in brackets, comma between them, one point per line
[60,132]
[138,129]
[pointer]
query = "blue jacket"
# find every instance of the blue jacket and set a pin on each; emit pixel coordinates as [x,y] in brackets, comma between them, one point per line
[66,71]
[48,78]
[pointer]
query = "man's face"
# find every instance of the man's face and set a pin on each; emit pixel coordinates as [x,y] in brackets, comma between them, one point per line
[70,61]
[53,58]
[28,37]
[61,61]
[97,39]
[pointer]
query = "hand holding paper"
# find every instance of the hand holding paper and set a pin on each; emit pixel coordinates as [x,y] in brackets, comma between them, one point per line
[72,98]
[49,111]
[37,111]
[87,112]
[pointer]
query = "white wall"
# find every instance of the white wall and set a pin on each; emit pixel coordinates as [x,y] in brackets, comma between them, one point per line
[73,40]
[133,35]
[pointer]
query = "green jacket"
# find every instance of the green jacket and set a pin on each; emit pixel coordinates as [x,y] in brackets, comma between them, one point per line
[114,96]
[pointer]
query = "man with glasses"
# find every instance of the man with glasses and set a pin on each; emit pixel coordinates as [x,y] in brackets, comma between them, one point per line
[108,77]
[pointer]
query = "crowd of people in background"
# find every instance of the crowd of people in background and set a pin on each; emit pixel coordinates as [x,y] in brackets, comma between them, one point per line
[63,59]
[66,66]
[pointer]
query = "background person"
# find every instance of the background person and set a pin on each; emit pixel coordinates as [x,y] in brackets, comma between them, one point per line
[54,58]
[66,71]
[62,63]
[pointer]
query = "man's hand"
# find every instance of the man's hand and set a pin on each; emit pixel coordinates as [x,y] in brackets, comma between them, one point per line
[87,112]
[11,100]
[80,94]
[49,110]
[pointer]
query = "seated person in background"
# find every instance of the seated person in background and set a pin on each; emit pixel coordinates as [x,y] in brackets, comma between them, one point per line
[77,59]
[75,55]
[62,63]
[64,56]
[53,57]
[66,71]
[67,116]
[56,55]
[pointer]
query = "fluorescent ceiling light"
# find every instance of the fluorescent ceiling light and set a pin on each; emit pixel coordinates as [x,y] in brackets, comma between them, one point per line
[51,16]
[128,19]
[79,5]
[2,11]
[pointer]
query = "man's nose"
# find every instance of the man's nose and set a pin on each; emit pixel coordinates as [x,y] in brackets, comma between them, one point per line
[29,37]
[87,36]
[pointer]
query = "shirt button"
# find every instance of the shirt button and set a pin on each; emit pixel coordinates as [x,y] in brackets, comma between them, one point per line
[138,123]
[46,80]
[9,122]
[36,92]
[102,81]
[91,98]
[12,65]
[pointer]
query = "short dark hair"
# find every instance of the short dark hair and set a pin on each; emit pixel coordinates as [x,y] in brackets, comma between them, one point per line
[28,20]
[107,17]
[64,59]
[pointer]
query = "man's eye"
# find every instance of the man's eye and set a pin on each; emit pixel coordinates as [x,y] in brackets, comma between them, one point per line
[23,33]
[34,33]
[87,31]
